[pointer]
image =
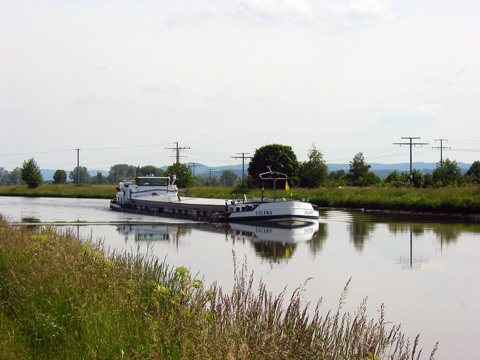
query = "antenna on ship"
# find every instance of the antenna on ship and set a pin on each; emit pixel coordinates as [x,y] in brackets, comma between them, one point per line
[273,175]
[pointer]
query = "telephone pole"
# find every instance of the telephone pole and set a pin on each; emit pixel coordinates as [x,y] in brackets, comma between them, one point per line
[192,165]
[441,147]
[210,171]
[78,165]
[411,143]
[243,157]
[177,150]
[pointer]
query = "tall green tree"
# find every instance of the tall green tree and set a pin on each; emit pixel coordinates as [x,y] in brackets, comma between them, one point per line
[279,158]
[119,172]
[98,179]
[396,179]
[417,180]
[335,175]
[183,173]
[60,177]
[150,170]
[30,173]
[473,174]
[84,175]
[3,176]
[14,177]
[228,178]
[447,173]
[314,172]
[359,173]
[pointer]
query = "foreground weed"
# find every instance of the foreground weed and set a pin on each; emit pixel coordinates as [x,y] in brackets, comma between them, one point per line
[66,298]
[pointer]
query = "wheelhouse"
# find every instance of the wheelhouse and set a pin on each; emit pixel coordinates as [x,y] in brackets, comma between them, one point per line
[152,181]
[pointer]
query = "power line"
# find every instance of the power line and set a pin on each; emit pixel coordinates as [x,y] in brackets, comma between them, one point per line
[85,149]
[38,152]
[125,147]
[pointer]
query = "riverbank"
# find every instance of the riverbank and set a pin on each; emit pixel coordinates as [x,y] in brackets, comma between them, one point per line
[461,200]
[63,297]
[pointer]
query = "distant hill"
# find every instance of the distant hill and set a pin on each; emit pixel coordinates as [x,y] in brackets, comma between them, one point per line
[381,170]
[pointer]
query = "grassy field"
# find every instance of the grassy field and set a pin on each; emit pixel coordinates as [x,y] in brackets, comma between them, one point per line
[65,298]
[450,200]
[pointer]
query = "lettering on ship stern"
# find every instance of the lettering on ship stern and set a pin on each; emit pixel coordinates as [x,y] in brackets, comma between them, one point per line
[263,212]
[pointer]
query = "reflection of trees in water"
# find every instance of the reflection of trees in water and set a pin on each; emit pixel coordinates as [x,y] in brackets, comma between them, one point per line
[360,227]
[400,228]
[148,233]
[445,233]
[359,233]
[274,250]
[31,221]
[318,239]
[449,233]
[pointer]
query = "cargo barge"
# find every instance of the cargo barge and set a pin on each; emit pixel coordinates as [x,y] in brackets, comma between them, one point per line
[159,196]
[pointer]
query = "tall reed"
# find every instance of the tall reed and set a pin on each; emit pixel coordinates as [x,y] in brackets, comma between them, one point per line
[66,298]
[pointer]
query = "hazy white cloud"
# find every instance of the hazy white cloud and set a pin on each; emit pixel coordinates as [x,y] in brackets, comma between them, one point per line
[275,9]
[96,100]
[421,109]
[170,88]
[192,15]
[367,8]
[377,8]
[358,13]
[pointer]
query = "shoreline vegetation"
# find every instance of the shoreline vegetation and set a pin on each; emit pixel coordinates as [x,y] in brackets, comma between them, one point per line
[446,200]
[66,298]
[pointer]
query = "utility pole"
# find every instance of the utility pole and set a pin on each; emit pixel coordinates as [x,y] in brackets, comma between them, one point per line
[78,165]
[441,147]
[177,150]
[209,181]
[411,143]
[243,157]
[192,165]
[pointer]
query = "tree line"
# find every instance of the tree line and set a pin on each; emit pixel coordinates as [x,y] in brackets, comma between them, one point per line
[30,174]
[275,157]
[314,172]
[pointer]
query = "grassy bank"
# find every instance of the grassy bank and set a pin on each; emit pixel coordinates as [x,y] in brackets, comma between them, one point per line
[454,200]
[63,190]
[63,298]
[449,200]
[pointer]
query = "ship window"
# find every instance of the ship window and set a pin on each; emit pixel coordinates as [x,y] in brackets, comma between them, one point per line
[153,181]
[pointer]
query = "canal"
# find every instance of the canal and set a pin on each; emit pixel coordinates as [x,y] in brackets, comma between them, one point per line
[425,272]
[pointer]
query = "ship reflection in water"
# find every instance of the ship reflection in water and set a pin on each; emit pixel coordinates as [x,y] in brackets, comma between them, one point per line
[149,232]
[274,241]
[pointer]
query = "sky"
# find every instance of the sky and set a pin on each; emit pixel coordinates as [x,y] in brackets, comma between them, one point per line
[123,81]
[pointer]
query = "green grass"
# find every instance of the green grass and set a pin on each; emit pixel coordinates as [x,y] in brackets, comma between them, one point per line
[63,190]
[65,298]
[450,200]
